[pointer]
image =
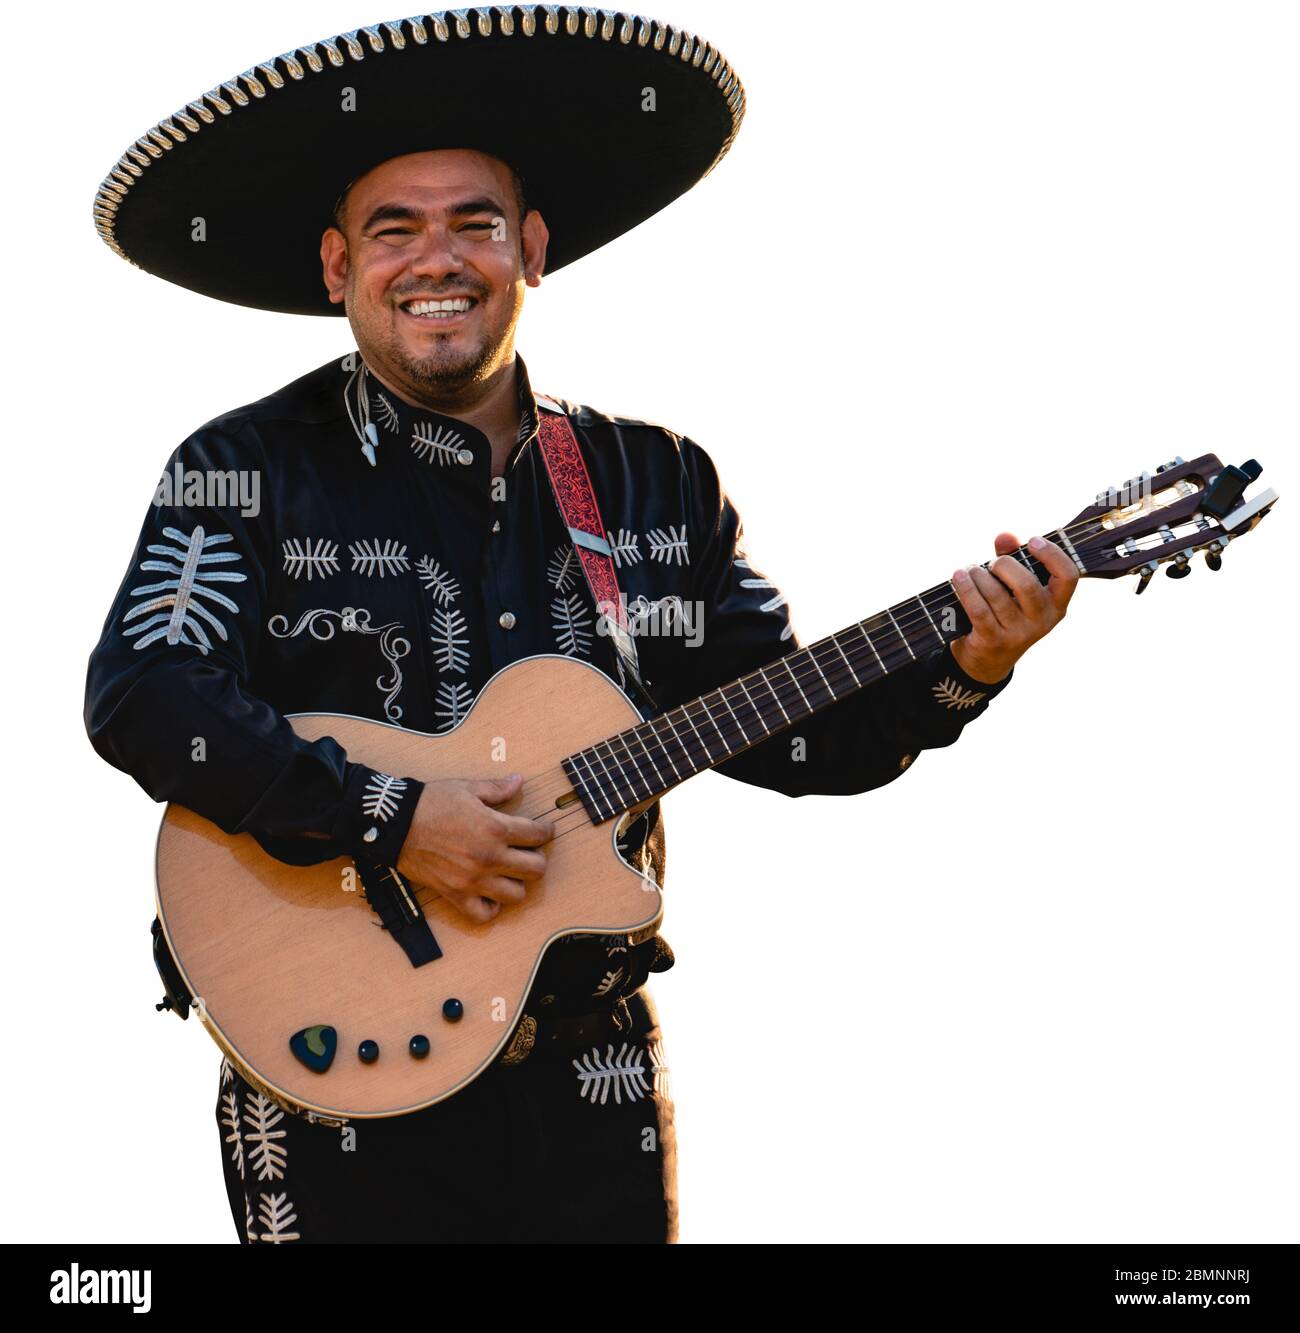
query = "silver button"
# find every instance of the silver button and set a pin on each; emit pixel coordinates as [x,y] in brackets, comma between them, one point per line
[506,620]
[465,456]
[370,834]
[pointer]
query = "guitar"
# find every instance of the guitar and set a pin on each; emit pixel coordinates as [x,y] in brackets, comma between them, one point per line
[343,991]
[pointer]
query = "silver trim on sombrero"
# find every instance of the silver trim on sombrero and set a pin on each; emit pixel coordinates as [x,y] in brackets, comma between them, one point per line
[605,23]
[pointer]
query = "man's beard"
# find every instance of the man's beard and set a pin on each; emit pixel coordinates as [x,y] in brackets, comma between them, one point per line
[441,370]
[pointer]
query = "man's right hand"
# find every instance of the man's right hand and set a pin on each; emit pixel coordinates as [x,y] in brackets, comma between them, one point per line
[476,857]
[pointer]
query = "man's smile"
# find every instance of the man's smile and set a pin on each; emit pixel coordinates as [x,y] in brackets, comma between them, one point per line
[446,312]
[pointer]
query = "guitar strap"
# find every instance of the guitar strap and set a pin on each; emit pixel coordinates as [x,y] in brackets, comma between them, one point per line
[580,514]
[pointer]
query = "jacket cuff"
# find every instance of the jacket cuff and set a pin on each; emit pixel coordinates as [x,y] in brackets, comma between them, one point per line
[375,814]
[953,694]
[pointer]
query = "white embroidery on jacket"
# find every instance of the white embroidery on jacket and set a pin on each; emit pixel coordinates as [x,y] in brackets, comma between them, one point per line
[669,547]
[442,587]
[572,624]
[623,547]
[302,557]
[353,620]
[430,441]
[773,603]
[621,1073]
[448,633]
[563,568]
[176,611]
[952,695]
[369,558]
[453,700]
[382,794]
[385,410]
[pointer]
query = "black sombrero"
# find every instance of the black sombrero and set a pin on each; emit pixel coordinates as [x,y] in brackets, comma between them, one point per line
[556,91]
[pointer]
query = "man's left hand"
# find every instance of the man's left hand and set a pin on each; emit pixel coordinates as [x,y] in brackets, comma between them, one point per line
[1009,609]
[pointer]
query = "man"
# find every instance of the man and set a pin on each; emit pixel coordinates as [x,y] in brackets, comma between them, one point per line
[407,546]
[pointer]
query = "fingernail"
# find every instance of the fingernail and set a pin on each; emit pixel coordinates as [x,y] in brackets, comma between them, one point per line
[1036,543]
[959,576]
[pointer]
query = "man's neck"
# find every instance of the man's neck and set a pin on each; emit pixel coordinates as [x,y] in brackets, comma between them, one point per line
[492,407]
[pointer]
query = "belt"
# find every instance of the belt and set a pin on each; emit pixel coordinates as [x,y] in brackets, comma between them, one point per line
[540,1035]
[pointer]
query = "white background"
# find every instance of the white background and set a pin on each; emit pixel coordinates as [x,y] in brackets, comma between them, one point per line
[965,265]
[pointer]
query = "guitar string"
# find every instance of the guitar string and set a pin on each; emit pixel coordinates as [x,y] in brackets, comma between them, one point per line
[810,670]
[909,622]
[579,817]
[835,672]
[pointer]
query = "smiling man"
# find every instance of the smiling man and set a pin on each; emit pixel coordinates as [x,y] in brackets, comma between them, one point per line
[415,537]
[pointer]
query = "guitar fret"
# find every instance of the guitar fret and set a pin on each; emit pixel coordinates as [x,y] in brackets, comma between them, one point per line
[582,754]
[668,754]
[763,673]
[609,745]
[835,639]
[812,657]
[901,635]
[704,703]
[686,712]
[636,731]
[1069,546]
[723,696]
[785,662]
[686,753]
[863,627]
[754,706]
[920,601]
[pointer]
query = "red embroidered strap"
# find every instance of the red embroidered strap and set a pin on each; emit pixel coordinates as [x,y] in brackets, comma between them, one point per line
[571,486]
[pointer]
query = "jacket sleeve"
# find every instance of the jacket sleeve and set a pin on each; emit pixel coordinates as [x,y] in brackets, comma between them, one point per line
[862,741]
[167,693]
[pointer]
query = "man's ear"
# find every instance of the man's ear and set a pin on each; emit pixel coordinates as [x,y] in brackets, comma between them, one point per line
[334,263]
[535,239]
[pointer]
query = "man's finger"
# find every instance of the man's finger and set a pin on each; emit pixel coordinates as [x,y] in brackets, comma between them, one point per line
[520,832]
[1064,572]
[1000,601]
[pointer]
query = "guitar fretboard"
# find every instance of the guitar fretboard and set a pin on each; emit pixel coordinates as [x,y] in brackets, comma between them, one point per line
[653,757]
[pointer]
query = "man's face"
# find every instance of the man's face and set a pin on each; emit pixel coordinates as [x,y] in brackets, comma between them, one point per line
[431,227]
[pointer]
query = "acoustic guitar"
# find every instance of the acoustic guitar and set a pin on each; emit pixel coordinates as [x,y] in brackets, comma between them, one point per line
[343,991]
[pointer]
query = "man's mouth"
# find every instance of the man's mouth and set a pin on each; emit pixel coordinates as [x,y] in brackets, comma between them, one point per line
[447,309]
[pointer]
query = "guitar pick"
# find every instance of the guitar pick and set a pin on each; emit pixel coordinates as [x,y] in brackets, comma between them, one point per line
[315,1047]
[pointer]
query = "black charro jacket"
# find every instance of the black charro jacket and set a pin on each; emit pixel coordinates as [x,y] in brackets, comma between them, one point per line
[394,591]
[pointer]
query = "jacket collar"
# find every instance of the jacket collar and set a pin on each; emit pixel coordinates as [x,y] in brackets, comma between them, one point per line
[434,437]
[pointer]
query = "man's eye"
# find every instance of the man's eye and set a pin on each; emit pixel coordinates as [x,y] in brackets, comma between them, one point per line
[488,225]
[392,231]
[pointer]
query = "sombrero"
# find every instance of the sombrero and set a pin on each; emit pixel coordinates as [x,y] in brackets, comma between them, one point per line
[608,117]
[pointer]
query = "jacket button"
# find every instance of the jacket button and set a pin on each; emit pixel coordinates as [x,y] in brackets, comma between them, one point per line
[506,620]
[465,456]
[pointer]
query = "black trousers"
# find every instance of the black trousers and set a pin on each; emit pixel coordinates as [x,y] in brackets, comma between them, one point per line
[567,1137]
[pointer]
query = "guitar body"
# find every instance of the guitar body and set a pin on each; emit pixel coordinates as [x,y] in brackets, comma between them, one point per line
[269,949]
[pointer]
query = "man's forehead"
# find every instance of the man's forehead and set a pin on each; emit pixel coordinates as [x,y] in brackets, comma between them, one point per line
[436,175]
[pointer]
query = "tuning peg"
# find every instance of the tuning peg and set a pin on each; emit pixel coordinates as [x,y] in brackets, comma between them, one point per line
[1180,567]
[1214,555]
[1145,574]
[1173,463]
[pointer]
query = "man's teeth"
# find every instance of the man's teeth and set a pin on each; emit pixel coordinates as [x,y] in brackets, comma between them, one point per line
[440,309]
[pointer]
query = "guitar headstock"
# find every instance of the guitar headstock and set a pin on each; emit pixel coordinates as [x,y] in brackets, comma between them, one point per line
[1165,519]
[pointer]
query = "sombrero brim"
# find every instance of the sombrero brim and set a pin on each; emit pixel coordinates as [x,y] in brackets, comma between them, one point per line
[608,117]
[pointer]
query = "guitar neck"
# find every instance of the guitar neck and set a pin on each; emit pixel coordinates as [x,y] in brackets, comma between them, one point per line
[645,761]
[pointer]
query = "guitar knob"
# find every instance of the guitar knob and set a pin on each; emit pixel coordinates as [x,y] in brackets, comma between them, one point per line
[1180,569]
[1213,561]
[1145,575]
